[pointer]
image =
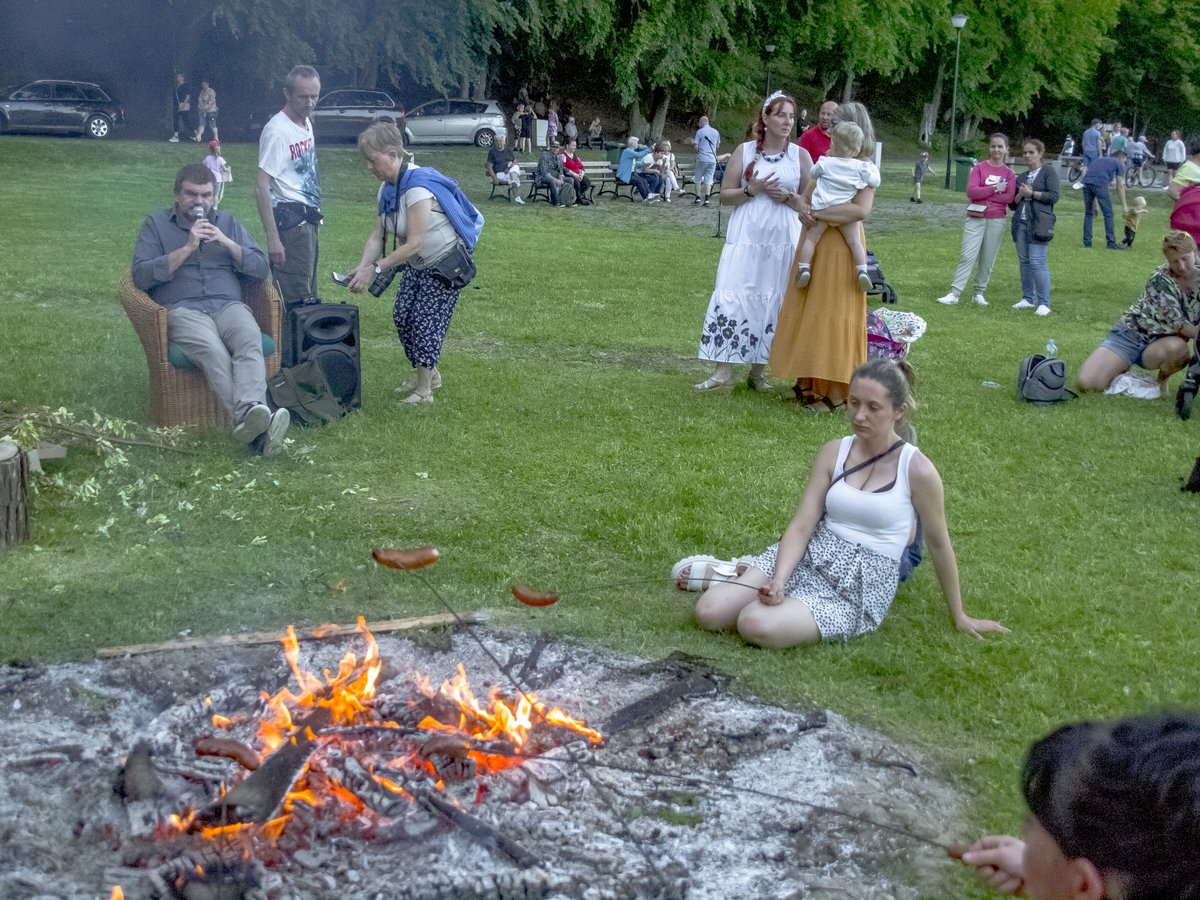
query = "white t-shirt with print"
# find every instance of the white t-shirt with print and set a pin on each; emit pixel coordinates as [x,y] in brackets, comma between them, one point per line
[288,153]
[440,236]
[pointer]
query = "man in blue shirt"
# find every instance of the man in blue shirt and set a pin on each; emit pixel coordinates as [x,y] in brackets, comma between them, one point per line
[1096,182]
[645,183]
[707,140]
[1091,143]
[190,259]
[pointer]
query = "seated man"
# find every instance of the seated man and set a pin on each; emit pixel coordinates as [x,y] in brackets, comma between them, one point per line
[188,258]
[1155,331]
[502,168]
[573,166]
[645,185]
[551,175]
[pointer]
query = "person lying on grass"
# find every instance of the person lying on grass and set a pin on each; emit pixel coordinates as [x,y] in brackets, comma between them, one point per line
[1155,331]
[1114,812]
[834,572]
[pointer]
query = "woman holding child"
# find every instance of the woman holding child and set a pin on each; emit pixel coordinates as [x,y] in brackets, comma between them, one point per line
[761,184]
[822,331]
[834,572]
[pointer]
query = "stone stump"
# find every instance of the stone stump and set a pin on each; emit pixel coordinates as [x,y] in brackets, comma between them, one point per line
[14,494]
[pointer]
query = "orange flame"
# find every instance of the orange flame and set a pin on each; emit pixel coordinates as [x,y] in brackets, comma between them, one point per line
[117,893]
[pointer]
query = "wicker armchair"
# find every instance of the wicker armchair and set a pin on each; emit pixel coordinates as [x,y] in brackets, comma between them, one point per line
[182,396]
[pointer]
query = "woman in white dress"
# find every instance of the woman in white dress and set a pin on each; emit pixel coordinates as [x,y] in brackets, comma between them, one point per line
[762,181]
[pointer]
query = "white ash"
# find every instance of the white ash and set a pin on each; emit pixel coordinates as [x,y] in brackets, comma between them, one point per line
[668,808]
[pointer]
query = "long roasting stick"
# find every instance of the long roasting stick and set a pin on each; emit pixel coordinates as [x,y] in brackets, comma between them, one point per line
[274,637]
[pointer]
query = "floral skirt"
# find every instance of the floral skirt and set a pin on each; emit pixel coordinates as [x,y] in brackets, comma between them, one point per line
[847,587]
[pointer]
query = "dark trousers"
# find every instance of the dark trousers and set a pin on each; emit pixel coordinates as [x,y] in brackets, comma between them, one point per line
[1098,195]
[1130,234]
[645,183]
[561,194]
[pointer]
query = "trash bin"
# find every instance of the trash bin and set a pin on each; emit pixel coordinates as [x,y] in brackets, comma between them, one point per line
[962,173]
[613,149]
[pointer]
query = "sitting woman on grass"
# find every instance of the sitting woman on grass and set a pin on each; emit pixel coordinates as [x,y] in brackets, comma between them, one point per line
[1155,331]
[1114,812]
[834,572]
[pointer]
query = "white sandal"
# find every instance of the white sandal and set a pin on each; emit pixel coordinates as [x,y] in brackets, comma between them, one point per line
[704,571]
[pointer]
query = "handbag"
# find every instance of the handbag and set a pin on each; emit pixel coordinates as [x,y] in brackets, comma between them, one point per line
[976,210]
[304,391]
[455,269]
[1043,223]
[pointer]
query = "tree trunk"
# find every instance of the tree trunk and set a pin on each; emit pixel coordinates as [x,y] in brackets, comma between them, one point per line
[967,132]
[658,117]
[929,113]
[848,87]
[14,494]
[637,123]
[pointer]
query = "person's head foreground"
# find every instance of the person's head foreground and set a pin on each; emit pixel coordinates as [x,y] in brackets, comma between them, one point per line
[382,146]
[881,399]
[1115,810]
[846,140]
[301,90]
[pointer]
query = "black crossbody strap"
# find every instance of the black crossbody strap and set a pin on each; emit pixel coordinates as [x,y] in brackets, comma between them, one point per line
[866,462]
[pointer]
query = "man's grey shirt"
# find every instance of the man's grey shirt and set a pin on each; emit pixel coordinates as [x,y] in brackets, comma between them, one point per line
[207,281]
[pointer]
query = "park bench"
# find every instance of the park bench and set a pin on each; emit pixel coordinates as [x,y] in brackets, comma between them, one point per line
[597,171]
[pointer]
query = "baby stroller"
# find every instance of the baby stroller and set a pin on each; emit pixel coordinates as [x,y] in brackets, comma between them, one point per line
[879,286]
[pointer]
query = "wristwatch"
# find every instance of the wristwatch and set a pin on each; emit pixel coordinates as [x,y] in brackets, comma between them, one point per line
[378,269]
[746,191]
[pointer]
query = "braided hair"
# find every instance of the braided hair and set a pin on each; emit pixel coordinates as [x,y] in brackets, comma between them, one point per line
[1125,795]
[760,129]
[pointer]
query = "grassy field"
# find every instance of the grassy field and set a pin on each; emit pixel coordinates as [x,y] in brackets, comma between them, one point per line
[568,450]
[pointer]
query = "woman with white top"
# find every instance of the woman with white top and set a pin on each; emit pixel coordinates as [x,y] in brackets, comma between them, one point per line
[835,570]
[427,218]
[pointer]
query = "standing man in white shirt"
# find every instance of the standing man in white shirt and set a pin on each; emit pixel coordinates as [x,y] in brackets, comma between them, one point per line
[289,187]
[707,140]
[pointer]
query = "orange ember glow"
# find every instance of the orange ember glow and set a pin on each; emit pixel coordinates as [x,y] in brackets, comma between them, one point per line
[510,728]
[117,893]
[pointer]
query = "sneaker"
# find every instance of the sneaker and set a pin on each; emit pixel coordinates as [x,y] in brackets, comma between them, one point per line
[1043,310]
[173,139]
[981,300]
[803,276]
[1078,186]
[706,201]
[667,198]
[949,300]
[254,422]
[864,282]
[920,201]
[696,202]
[272,439]
[1023,304]
[1116,246]
[650,198]
[518,200]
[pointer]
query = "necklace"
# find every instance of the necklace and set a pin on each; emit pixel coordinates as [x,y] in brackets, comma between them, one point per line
[774,157]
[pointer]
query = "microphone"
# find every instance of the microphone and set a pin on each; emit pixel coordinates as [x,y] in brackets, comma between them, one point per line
[197,212]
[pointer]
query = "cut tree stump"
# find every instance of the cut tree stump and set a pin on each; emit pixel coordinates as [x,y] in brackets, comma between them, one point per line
[14,494]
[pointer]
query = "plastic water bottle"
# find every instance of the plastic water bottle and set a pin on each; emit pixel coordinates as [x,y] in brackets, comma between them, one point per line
[1051,349]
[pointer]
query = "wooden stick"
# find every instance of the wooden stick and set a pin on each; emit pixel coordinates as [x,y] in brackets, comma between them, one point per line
[274,637]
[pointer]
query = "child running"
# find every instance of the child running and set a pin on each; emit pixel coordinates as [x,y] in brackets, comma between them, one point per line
[1133,218]
[836,178]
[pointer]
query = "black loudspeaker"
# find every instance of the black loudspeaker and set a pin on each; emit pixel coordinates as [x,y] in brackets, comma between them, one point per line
[328,334]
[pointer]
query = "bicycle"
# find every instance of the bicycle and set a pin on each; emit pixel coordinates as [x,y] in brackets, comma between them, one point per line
[1144,174]
[1075,172]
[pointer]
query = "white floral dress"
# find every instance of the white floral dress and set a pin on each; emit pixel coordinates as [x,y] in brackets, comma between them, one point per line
[754,268]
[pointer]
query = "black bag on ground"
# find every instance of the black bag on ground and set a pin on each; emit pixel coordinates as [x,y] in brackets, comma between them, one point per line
[305,393]
[1043,380]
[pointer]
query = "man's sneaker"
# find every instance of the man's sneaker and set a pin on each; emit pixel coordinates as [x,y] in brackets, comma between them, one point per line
[254,422]
[1043,310]
[981,300]
[651,198]
[950,299]
[272,440]
[696,202]
[1023,304]
[518,200]
[173,139]
[706,201]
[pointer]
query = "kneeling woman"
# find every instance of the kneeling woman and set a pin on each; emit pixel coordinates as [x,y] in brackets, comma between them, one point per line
[1155,331]
[834,573]
[428,218]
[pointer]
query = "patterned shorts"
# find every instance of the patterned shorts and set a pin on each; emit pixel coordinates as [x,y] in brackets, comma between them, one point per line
[847,587]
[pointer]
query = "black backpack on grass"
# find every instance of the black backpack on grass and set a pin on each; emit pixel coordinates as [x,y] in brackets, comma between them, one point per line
[1043,380]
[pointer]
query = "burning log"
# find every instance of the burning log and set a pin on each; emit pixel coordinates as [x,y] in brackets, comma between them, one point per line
[480,830]
[648,708]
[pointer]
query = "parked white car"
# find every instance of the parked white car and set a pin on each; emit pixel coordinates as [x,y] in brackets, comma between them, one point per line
[456,122]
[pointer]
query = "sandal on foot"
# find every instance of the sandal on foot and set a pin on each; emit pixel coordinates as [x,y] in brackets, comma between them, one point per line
[759,383]
[704,571]
[713,384]
[418,397]
[411,385]
[822,405]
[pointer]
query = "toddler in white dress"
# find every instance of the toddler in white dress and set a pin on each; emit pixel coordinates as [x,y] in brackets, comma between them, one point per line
[836,178]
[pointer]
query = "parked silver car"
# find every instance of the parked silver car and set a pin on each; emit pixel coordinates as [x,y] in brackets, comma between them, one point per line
[456,122]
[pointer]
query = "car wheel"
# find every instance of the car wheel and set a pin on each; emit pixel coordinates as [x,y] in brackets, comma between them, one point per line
[484,137]
[98,127]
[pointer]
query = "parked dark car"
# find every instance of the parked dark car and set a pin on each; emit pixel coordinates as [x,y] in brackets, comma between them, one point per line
[60,106]
[456,122]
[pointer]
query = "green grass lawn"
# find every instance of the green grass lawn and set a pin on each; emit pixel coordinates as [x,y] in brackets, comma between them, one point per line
[568,450]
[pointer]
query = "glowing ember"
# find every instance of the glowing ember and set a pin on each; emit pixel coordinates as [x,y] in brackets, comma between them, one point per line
[329,725]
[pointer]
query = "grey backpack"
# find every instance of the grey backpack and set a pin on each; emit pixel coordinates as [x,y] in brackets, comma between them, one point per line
[1043,380]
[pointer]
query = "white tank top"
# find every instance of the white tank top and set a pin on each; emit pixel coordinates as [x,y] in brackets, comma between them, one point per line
[880,522]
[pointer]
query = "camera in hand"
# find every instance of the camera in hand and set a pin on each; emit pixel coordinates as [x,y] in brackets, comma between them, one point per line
[382,280]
